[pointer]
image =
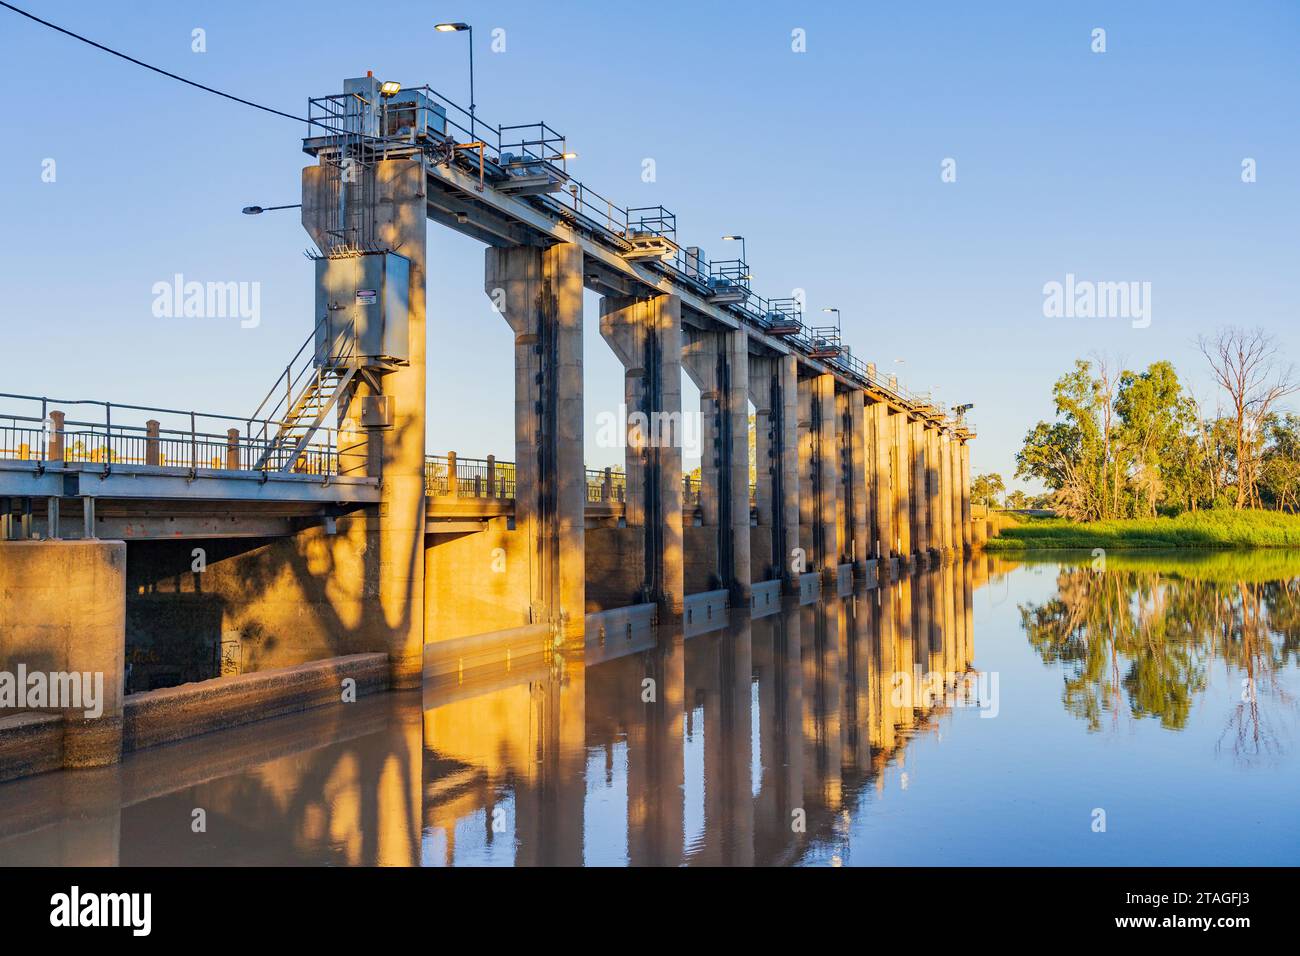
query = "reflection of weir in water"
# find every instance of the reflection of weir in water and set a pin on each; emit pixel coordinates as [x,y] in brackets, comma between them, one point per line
[656,748]
[336,785]
[740,746]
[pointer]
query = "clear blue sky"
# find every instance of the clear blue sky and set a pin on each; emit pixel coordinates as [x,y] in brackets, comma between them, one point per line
[1117,166]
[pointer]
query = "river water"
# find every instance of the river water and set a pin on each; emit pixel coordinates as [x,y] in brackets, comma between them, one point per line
[1050,710]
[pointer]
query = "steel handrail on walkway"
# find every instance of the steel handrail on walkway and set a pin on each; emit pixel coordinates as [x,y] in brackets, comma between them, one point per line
[475,477]
[490,478]
[42,432]
[691,488]
[283,393]
[606,486]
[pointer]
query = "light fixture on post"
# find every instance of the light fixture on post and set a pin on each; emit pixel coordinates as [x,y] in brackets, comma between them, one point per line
[744,257]
[464,28]
[258,210]
[389,88]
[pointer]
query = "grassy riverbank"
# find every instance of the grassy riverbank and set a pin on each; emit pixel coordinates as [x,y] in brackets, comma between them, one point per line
[1201,529]
[1230,567]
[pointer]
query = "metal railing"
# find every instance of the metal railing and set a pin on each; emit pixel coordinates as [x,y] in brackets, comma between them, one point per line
[652,220]
[690,491]
[48,430]
[475,477]
[489,478]
[606,486]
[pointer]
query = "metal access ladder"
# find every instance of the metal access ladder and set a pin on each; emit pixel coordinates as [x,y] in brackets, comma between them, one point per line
[303,400]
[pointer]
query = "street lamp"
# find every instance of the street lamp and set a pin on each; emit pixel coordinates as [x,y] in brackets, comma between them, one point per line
[744,257]
[258,210]
[837,315]
[461,28]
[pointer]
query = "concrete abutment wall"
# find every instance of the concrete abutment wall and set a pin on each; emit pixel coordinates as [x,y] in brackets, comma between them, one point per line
[62,625]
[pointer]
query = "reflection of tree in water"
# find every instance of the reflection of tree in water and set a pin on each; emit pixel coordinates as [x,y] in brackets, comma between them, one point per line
[1145,639]
[1262,629]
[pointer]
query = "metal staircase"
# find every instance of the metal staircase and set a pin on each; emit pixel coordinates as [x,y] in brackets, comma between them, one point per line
[303,400]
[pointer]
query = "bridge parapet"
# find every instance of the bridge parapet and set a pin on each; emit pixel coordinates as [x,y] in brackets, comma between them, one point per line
[39,430]
[62,448]
[451,475]
[493,479]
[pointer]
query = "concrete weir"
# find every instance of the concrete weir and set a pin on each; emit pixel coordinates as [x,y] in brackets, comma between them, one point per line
[210,579]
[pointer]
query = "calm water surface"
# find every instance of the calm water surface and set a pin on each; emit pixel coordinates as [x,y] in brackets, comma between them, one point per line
[995,712]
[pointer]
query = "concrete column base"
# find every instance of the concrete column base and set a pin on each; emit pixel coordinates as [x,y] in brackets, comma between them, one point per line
[63,612]
[92,743]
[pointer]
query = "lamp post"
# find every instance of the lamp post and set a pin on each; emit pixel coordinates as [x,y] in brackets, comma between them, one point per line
[258,210]
[464,28]
[744,256]
[897,361]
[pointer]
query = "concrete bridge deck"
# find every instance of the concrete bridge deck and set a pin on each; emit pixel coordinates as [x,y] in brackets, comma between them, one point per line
[141,502]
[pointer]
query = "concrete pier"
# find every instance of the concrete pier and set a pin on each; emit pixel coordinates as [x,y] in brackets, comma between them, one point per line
[828,504]
[389,210]
[645,334]
[791,487]
[765,545]
[932,497]
[920,503]
[539,294]
[736,370]
[718,364]
[859,476]
[946,490]
[773,389]
[882,490]
[963,494]
[903,483]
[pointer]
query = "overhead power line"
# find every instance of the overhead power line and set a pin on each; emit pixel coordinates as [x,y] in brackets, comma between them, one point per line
[159,70]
